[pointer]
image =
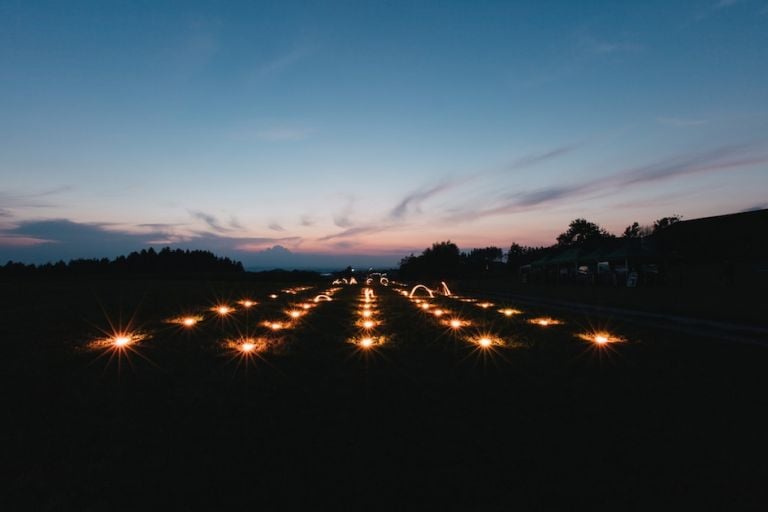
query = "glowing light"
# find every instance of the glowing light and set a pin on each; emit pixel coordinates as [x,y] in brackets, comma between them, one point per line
[431,295]
[425,306]
[404,293]
[185,321]
[600,338]
[485,305]
[119,342]
[438,312]
[508,311]
[352,281]
[445,289]
[273,296]
[322,296]
[368,324]
[222,310]
[366,313]
[455,323]
[367,342]
[486,341]
[384,281]
[295,313]
[247,347]
[306,306]
[545,321]
[247,303]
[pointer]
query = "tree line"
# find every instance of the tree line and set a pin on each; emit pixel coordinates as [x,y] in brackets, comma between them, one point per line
[146,261]
[444,259]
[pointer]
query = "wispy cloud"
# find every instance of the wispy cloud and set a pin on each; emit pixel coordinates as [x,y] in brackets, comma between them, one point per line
[719,159]
[343,217]
[411,203]
[274,226]
[283,62]
[208,219]
[37,199]
[681,122]
[357,231]
[532,159]
[307,220]
[590,45]
[48,240]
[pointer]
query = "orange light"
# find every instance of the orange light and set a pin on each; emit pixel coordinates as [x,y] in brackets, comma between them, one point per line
[223,310]
[509,311]
[247,303]
[121,341]
[366,342]
[273,296]
[544,321]
[438,312]
[247,346]
[368,324]
[366,314]
[485,305]
[455,323]
[601,338]
[189,321]
[425,306]
[294,313]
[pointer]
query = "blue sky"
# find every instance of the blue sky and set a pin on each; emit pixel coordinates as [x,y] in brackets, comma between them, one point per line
[371,128]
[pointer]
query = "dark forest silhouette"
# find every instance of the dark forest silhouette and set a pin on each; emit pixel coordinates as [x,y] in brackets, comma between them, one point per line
[146,261]
[725,249]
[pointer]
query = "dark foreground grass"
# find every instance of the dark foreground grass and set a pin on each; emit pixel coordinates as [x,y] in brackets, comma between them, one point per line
[425,420]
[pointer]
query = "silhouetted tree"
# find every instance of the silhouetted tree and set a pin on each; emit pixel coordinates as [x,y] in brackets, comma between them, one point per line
[480,260]
[148,261]
[580,232]
[632,231]
[665,222]
[441,260]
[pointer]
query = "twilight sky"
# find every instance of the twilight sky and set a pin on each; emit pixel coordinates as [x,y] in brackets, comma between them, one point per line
[375,128]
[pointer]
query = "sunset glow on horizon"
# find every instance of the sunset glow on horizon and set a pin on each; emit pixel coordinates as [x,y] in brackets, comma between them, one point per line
[279,146]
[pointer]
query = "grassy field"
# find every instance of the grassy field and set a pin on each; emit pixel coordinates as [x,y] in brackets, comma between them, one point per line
[428,418]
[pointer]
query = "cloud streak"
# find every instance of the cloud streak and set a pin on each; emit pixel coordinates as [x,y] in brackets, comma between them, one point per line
[210,220]
[719,159]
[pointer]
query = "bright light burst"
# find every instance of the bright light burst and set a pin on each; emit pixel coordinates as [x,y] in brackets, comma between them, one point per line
[246,303]
[485,305]
[509,311]
[545,321]
[457,323]
[438,312]
[367,342]
[186,321]
[600,338]
[295,313]
[486,341]
[118,341]
[222,309]
[275,326]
